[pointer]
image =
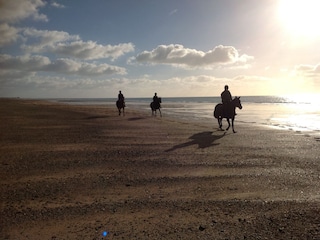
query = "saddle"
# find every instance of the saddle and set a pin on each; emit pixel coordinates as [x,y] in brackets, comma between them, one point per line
[156,104]
[121,103]
[227,110]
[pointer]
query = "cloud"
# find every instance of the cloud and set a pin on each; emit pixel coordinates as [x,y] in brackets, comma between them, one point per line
[57,5]
[9,76]
[245,79]
[17,10]
[44,39]
[88,69]
[8,34]
[91,50]
[178,55]
[23,63]
[64,44]
[63,66]
[173,12]
[308,70]
[143,86]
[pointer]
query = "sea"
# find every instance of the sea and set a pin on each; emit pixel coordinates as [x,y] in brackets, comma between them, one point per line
[300,113]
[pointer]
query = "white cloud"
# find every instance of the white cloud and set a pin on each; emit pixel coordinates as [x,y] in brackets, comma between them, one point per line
[8,34]
[308,70]
[244,79]
[65,66]
[9,77]
[17,10]
[144,86]
[91,50]
[197,85]
[88,69]
[64,44]
[173,12]
[178,55]
[45,39]
[57,5]
[23,63]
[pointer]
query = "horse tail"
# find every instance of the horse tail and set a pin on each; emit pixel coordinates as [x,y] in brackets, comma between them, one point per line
[217,111]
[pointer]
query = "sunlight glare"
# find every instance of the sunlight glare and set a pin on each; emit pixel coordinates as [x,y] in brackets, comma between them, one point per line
[305,98]
[301,113]
[300,17]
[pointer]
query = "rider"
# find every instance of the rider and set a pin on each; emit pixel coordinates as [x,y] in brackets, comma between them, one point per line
[226,100]
[120,97]
[156,100]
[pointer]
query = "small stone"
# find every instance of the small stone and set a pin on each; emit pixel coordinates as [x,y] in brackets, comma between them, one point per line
[201,228]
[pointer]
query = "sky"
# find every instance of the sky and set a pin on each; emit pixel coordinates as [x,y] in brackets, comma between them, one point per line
[177,48]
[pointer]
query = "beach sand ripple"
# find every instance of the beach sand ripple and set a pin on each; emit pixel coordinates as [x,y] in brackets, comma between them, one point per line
[79,172]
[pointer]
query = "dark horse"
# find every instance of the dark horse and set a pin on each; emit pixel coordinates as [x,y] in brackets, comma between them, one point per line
[155,105]
[228,113]
[120,105]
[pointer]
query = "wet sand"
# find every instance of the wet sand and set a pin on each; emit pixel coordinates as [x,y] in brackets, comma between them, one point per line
[75,172]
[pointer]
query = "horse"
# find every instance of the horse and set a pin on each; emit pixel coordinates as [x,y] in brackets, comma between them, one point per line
[155,105]
[228,113]
[120,105]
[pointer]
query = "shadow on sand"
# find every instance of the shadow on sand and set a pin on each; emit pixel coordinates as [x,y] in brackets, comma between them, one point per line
[135,118]
[203,140]
[96,117]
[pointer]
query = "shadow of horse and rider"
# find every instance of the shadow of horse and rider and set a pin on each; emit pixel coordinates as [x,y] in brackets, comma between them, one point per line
[221,111]
[203,140]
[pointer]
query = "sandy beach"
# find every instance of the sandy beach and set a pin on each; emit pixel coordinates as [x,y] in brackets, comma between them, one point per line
[83,172]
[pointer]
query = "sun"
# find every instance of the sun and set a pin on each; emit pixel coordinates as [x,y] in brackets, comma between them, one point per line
[300,17]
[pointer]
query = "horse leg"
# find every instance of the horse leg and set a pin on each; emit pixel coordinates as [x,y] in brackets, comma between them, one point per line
[228,124]
[160,112]
[233,125]
[119,109]
[220,123]
[123,111]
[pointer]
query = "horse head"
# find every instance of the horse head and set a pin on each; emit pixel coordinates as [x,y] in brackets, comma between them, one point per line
[237,103]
